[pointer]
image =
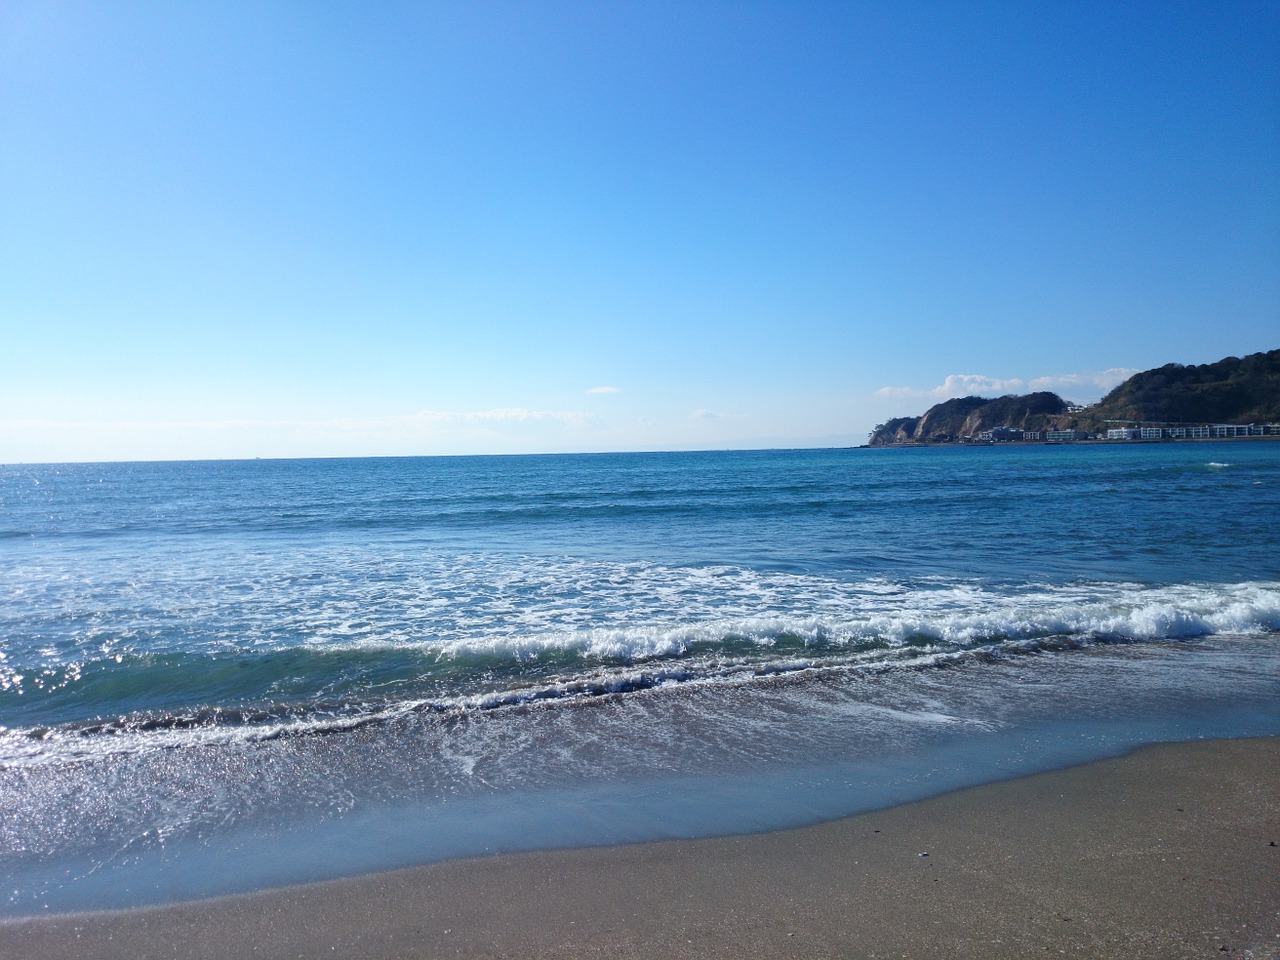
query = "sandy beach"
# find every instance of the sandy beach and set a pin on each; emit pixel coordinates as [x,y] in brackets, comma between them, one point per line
[1168,852]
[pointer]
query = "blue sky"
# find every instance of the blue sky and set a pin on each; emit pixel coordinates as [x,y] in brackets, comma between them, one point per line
[323,229]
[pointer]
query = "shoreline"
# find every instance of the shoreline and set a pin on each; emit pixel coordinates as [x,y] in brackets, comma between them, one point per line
[911,444]
[1168,851]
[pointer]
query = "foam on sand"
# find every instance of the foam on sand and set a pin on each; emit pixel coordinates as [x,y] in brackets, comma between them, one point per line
[1168,852]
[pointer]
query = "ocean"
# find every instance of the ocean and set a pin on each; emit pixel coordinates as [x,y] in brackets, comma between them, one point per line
[222,676]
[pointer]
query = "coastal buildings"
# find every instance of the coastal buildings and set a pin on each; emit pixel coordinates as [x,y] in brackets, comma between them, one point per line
[1149,432]
[1002,435]
[1138,432]
[1244,430]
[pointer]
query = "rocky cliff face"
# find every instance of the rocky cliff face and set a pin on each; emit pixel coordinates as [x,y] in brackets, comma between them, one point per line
[946,420]
[898,430]
[966,417]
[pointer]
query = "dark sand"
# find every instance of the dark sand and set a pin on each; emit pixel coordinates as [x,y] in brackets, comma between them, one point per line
[1169,852]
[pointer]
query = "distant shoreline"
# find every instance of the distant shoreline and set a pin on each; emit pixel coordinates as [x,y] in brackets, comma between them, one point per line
[1173,402]
[987,444]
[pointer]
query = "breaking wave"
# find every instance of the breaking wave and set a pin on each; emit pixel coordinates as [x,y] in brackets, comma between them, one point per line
[257,691]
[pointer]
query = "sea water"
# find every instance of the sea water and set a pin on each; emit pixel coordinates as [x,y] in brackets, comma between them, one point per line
[220,676]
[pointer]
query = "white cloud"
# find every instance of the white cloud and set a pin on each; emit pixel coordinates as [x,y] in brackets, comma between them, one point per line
[604,390]
[704,414]
[959,385]
[1081,387]
[1094,383]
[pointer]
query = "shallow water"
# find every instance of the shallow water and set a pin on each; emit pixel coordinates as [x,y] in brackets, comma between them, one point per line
[220,676]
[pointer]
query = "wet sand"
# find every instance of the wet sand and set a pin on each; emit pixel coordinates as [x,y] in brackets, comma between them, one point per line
[1169,852]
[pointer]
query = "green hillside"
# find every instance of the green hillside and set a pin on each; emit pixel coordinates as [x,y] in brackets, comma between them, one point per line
[1233,390]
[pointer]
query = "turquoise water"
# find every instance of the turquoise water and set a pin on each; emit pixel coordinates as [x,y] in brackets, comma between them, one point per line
[222,675]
